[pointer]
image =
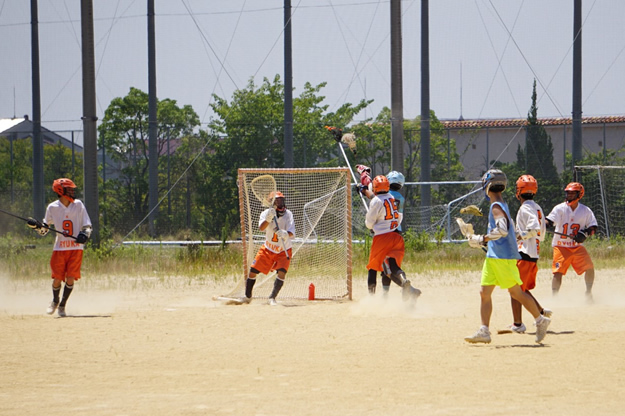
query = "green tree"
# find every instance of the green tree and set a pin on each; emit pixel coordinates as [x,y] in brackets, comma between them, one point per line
[249,132]
[123,134]
[536,159]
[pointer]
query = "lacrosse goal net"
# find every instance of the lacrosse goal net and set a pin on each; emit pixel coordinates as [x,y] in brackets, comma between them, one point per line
[604,193]
[320,200]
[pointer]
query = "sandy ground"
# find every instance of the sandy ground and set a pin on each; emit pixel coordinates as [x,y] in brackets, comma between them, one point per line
[167,349]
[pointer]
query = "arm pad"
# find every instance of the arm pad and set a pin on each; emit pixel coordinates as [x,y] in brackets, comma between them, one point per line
[528,234]
[500,230]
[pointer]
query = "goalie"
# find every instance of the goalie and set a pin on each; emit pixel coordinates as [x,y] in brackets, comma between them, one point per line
[279,227]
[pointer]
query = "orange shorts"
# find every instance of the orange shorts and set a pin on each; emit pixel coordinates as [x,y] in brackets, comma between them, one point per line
[527,272]
[577,257]
[383,246]
[266,260]
[66,263]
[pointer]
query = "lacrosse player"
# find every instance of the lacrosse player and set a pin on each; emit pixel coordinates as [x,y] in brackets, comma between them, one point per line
[500,266]
[70,215]
[530,231]
[272,256]
[577,220]
[384,218]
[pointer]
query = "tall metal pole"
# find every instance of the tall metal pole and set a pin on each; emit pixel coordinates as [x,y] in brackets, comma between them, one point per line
[288,87]
[577,82]
[152,121]
[89,119]
[425,104]
[38,187]
[397,98]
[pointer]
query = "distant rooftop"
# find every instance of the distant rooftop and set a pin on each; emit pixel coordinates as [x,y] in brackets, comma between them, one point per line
[519,122]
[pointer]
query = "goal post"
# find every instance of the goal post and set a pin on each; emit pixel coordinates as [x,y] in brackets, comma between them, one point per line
[320,200]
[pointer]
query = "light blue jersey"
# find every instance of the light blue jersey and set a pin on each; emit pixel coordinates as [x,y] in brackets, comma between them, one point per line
[504,247]
[399,201]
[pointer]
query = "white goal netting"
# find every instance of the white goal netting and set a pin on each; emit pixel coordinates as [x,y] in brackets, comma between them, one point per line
[320,200]
[604,193]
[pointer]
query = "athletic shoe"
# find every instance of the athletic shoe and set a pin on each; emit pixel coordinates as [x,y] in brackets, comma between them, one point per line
[541,329]
[482,335]
[61,312]
[245,300]
[547,313]
[518,329]
[272,302]
[52,307]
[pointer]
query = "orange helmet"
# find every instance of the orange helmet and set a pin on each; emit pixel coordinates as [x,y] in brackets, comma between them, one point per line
[64,187]
[574,187]
[380,184]
[526,184]
[278,202]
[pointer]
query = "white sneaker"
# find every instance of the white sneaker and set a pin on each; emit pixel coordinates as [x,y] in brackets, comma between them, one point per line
[272,302]
[61,312]
[52,308]
[547,313]
[518,329]
[541,329]
[482,335]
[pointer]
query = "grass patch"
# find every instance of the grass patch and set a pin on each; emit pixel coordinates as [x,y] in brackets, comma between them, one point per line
[28,259]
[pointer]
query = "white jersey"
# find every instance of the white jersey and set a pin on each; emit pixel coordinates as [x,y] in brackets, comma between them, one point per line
[383,216]
[70,220]
[570,222]
[285,222]
[530,217]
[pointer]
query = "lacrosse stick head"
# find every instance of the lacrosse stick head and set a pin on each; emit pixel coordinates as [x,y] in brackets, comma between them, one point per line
[465,229]
[350,140]
[472,210]
[265,190]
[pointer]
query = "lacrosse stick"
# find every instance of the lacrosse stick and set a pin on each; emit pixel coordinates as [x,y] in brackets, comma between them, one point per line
[466,229]
[351,142]
[264,188]
[472,210]
[560,234]
[42,225]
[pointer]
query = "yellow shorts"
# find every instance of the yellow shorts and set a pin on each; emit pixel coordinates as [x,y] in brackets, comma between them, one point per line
[500,272]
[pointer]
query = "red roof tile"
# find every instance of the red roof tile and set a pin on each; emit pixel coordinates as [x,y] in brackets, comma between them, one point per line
[518,122]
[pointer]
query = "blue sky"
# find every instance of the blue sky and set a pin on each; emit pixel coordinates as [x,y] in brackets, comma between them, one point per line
[489,50]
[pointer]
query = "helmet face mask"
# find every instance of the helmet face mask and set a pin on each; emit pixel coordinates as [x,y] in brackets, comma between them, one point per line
[574,191]
[279,203]
[526,184]
[64,187]
[380,184]
[494,180]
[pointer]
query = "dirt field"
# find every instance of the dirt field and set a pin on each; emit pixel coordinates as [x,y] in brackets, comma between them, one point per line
[155,348]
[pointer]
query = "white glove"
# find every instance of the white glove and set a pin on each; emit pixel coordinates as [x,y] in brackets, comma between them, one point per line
[271,213]
[476,241]
[42,231]
[282,234]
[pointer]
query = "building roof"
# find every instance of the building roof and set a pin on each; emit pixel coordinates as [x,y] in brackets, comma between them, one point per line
[22,128]
[520,122]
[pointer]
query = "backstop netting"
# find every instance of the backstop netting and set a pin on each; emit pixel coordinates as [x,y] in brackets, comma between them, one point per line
[320,200]
[604,193]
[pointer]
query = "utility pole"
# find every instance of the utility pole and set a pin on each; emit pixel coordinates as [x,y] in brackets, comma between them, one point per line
[397,97]
[89,119]
[288,87]
[577,82]
[38,187]
[152,121]
[425,106]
